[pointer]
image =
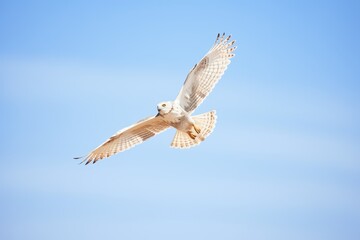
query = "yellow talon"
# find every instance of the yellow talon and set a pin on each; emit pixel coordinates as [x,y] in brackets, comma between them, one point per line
[197,129]
[191,135]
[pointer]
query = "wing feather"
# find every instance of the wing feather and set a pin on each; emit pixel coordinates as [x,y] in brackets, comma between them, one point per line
[127,138]
[205,74]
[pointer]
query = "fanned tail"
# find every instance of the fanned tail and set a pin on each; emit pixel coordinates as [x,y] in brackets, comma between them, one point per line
[205,122]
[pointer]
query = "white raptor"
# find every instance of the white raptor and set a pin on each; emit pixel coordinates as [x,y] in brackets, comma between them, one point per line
[191,130]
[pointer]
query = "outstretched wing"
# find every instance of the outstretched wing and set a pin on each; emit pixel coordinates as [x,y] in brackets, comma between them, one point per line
[127,138]
[205,74]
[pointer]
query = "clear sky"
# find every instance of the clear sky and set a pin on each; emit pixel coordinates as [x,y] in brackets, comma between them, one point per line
[282,163]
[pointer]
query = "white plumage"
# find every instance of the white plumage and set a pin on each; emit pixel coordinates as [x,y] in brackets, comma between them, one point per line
[191,130]
[205,74]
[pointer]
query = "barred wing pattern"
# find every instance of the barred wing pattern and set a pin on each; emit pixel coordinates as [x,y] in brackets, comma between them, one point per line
[205,74]
[127,138]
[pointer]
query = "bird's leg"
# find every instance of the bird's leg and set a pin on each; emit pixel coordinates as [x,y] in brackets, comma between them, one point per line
[191,135]
[197,129]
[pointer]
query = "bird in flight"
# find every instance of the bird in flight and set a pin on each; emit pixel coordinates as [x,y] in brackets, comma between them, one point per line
[191,130]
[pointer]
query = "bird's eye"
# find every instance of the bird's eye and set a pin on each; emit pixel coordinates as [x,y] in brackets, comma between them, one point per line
[164,105]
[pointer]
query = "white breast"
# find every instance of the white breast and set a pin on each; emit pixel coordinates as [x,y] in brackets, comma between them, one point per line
[178,118]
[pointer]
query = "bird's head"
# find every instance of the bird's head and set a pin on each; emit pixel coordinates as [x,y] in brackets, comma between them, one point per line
[164,108]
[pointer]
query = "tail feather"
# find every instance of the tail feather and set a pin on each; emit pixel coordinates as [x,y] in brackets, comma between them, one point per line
[206,122]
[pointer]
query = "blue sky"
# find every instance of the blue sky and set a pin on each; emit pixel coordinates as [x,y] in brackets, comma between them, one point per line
[282,163]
